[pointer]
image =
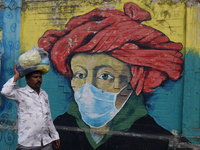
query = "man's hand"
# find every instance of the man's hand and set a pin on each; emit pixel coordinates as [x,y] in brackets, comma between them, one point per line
[17,75]
[56,144]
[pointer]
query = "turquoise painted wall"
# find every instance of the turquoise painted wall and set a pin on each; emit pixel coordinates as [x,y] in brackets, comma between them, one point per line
[11,19]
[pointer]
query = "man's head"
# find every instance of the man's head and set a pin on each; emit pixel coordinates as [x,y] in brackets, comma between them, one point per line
[34,80]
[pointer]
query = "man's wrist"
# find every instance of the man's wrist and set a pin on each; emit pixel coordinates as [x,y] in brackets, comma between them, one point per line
[16,78]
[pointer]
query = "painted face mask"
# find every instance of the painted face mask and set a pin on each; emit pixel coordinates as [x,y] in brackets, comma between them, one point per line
[97,107]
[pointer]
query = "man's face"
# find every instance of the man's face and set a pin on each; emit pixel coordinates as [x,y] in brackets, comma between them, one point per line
[34,80]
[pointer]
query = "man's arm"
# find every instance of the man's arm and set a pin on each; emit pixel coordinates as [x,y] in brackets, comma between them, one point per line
[9,87]
[54,134]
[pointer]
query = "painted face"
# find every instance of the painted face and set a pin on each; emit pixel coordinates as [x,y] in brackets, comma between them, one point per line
[34,80]
[101,70]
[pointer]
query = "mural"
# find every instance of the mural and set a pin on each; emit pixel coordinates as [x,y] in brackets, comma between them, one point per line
[117,78]
[113,60]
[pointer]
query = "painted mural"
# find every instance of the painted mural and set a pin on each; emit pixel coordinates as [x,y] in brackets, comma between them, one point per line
[112,60]
[124,74]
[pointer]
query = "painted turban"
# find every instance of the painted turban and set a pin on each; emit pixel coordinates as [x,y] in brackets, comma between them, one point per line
[152,57]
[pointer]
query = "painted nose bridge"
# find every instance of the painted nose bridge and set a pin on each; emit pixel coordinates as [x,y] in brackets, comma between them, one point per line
[89,80]
[90,77]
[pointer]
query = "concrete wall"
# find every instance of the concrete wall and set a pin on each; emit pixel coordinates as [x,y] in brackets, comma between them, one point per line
[172,100]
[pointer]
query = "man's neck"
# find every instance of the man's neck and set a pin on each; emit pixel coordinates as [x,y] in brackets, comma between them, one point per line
[37,90]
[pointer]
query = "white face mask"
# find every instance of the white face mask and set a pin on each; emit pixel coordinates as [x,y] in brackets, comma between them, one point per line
[97,107]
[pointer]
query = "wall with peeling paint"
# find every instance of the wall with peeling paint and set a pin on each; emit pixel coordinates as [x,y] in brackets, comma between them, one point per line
[174,105]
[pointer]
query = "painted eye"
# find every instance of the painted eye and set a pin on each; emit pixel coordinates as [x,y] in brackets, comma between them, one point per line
[80,76]
[105,76]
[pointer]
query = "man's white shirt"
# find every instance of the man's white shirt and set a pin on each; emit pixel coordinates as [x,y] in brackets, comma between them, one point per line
[35,125]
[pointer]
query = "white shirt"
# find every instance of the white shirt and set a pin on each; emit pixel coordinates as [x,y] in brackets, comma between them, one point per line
[35,125]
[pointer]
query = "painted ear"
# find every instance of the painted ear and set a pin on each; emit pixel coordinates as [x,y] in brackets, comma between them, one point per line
[49,38]
[136,13]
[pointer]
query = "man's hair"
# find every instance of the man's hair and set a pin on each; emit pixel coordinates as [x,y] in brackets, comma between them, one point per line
[29,74]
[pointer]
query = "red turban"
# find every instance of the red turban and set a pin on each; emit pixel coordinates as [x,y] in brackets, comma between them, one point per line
[151,55]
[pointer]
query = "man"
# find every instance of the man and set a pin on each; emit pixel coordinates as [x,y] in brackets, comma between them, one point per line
[35,127]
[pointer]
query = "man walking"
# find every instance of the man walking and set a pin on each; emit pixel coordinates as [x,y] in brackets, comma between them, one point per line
[35,126]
